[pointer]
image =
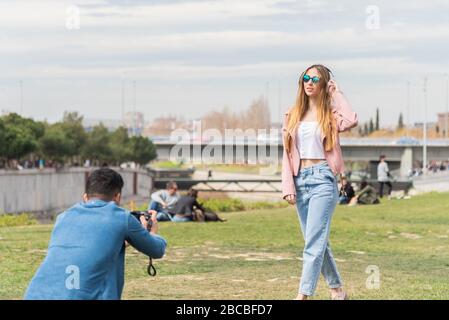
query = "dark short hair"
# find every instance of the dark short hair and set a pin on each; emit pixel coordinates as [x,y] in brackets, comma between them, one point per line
[192,192]
[363,184]
[382,156]
[104,182]
[171,185]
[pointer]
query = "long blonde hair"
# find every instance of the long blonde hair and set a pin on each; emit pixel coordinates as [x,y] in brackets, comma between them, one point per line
[325,117]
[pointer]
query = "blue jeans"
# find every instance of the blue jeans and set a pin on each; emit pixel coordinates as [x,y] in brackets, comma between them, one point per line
[343,200]
[162,214]
[182,219]
[316,198]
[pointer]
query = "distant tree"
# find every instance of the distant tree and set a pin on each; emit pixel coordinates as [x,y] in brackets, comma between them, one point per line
[143,150]
[72,125]
[120,145]
[3,146]
[437,129]
[377,119]
[20,136]
[371,125]
[365,129]
[56,144]
[35,128]
[400,121]
[258,115]
[97,147]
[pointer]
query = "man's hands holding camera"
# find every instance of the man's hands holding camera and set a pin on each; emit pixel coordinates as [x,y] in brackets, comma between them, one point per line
[151,224]
[148,220]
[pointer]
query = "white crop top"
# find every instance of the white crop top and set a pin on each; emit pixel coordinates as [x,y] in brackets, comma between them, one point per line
[309,141]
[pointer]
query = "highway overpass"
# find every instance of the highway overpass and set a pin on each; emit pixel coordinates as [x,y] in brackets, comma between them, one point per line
[354,149]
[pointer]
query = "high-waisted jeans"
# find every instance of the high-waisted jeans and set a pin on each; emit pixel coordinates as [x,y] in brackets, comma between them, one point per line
[316,198]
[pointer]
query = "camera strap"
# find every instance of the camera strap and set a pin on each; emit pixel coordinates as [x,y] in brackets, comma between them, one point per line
[151,269]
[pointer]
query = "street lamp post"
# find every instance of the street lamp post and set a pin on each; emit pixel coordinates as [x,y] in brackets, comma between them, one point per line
[425,128]
[21,97]
[408,107]
[134,109]
[123,98]
[447,106]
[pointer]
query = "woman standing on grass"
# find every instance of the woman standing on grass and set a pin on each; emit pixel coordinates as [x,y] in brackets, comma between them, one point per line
[311,160]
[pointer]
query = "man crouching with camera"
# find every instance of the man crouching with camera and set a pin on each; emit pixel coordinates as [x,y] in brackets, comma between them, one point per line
[86,254]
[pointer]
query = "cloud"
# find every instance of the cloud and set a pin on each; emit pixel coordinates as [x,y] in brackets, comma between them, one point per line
[217,45]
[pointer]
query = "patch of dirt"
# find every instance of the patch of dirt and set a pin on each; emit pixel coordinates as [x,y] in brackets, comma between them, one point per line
[183,277]
[37,251]
[179,254]
[410,235]
[219,256]
[356,252]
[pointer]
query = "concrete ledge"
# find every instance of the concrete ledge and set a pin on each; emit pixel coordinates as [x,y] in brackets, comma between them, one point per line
[45,192]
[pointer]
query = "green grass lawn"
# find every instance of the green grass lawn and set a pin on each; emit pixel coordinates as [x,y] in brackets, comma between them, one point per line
[256,254]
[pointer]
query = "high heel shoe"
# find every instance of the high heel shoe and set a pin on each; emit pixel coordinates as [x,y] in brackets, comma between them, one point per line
[340,296]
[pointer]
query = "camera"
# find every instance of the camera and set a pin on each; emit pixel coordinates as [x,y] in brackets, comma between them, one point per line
[146,215]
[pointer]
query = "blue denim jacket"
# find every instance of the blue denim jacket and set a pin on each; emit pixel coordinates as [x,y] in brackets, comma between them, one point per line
[86,254]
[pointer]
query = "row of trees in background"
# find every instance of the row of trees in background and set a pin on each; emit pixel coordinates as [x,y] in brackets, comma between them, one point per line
[67,142]
[371,126]
[256,116]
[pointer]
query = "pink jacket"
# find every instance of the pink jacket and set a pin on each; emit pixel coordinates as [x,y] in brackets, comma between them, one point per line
[345,119]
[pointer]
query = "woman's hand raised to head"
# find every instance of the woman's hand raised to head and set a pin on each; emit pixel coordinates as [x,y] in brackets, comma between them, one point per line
[291,198]
[332,87]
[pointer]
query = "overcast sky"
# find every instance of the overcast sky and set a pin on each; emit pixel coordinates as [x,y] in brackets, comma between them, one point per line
[189,57]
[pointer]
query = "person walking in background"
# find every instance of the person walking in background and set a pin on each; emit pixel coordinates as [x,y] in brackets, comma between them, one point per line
[383,176]
[164,201]
[346,191]
[209,174]
[311,160]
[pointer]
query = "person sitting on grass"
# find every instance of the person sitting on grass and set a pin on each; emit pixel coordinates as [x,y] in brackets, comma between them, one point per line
[366,195]
[164,201]
[346,191]
[86,255]
[187,208]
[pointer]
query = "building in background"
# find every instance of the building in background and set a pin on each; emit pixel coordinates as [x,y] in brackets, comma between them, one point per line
[135,122]
[110,124]
[441,122]
[430,125]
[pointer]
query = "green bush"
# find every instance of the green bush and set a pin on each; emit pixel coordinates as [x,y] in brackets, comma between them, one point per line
[166,165]
[228,205]
[13,220]
[223,205]
[259,205]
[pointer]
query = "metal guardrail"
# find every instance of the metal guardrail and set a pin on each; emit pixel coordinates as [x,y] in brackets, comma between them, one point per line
[211,184]
[343,141]
[255,184]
